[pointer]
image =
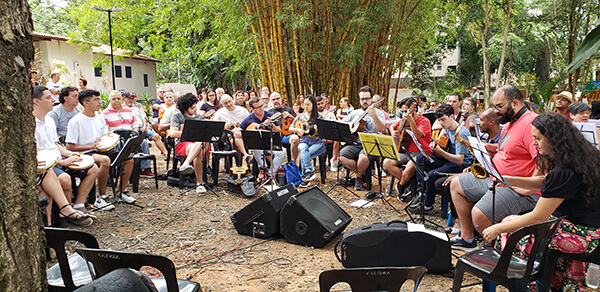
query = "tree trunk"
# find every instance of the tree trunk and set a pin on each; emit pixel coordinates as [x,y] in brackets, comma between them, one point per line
[504,41]
[487,82]
[21,231]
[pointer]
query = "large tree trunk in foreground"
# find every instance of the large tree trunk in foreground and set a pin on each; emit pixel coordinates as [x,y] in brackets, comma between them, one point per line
[21,249]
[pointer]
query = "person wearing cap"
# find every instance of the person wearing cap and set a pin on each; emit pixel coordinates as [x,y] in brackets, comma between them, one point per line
[142,124]
[563,100]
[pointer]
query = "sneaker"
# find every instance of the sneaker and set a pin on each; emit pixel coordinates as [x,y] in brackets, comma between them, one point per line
[455,229]
[310,176]
[458,243]
[304,184]
[358,184]
[333,165]
[399,189]
[186,169]
[125,197]
[81,209]
[200,189]
[147,173]
[103,203]
[417,208]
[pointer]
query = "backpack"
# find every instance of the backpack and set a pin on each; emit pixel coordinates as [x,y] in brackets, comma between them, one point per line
[292,173]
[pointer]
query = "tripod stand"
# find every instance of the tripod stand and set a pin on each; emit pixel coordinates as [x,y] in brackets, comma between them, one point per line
[127,152]
[264,140]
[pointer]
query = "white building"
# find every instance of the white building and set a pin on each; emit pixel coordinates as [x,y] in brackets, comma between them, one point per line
[132,73]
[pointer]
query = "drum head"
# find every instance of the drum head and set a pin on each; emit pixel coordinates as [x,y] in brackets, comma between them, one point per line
[108,142]
[86,162]
[49,157]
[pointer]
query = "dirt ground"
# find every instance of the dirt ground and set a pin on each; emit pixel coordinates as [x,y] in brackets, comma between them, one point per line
[196,233]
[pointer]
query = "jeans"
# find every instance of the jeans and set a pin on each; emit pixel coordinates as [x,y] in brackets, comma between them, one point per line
[439,165]
[309,150]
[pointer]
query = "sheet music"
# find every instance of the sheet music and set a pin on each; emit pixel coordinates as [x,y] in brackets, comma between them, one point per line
[485,159]
[414,138]
[477,129]
[589,132]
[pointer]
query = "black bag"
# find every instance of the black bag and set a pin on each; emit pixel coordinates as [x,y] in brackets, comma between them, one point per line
[394,244]
[173,180]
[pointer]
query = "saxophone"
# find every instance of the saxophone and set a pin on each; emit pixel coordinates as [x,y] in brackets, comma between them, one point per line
[476,169]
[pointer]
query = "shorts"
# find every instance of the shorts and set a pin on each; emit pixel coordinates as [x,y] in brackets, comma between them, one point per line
[71,172]
[507,201]
[404,159]
[352,151]
[155,120]
[180,148]
[285,139]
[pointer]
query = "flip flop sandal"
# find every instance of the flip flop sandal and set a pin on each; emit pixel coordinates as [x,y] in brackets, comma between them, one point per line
[83,220]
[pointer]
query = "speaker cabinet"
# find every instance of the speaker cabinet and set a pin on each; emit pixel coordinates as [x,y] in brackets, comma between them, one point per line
[312,218]
[261,217]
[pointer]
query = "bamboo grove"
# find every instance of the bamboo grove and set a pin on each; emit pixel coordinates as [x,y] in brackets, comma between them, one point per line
[335,47]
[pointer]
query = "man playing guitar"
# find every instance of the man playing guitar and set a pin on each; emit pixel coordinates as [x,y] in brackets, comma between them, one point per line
[233,116]
[259,116]
[353,156]
[421,128]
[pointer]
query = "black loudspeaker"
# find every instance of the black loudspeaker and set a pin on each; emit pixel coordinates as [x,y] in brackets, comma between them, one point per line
[312,218]
[261,217]
[394,244]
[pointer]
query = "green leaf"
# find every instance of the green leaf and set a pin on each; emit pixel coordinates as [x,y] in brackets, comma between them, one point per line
[589,47]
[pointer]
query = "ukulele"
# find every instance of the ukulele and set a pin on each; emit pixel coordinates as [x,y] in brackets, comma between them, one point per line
[286,123]
[401,139]
[257,126]
[307,128]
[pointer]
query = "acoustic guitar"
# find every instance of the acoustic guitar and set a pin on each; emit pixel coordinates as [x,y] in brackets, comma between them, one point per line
[402,139]
[358,123]
[257,126]
[286,123]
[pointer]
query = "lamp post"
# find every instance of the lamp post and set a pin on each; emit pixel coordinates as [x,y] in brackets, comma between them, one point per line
[112,61]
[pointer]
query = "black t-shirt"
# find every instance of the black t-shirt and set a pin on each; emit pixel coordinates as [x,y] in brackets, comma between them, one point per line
[207,107]
[567,184]
[281,110]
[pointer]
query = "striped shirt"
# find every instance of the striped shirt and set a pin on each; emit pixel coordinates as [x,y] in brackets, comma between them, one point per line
[123,120]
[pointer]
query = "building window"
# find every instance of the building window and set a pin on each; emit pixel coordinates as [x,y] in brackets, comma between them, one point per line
[127,71]
[118,72]
[451,68]
[145,80]
[98,71]
[438,67]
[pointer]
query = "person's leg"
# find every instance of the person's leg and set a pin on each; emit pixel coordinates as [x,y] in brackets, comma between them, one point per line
[278,158]
[294,142]
[198,164]
[51,186]
[305,164]
[507,202]
[316,149]
[336,151]
[65,182]
[362,164]
[430,190]
[465,191]
[145,164]
[86,185]
[239,142]
[127,168]
[103,163]
[192,150]
[392,167]
[349,155]
[159,143]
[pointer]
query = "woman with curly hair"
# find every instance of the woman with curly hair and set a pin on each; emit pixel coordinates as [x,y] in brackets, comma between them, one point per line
[569,188]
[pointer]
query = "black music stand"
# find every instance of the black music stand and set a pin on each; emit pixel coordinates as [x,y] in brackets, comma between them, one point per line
[335,131]
[485,159]
[265,140]
[127,152]
[202,131]
[379,145]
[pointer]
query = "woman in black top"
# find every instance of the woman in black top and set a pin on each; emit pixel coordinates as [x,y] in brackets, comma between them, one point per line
[211,106]
[569,189]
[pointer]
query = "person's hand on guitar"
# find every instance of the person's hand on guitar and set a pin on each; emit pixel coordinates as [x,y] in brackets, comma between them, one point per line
[286,115]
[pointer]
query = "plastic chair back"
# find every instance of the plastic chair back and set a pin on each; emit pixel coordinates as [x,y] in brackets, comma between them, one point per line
[372,279]
[56,239]
[105,261]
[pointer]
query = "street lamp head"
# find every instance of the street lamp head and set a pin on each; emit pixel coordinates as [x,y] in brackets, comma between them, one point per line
[108,10]
[117,9]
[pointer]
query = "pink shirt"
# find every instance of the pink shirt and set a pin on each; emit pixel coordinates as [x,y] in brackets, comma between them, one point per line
[516,153]
[122,120]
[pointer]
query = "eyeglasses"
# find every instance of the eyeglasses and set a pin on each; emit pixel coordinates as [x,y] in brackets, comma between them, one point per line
[366,98]
[258,106]
[499,106]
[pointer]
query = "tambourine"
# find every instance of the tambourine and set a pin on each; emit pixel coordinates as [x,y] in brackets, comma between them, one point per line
[239,172]
[108,142]
[49,158]
[86,163]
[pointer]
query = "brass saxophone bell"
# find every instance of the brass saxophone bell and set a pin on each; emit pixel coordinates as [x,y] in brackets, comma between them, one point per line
[478,171]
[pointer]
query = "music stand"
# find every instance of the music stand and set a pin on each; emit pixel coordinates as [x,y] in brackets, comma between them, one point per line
[265,140]
[381,146]
[202,131]
[127,152]
[335,131]
[485,159]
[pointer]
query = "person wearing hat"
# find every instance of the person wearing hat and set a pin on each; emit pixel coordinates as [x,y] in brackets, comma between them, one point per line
[563,100]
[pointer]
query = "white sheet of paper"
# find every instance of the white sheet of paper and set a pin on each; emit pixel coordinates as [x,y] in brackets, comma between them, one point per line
[589,132]
[484,158]
[362,203]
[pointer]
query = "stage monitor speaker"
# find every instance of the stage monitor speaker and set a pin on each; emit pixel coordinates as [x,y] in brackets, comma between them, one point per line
[394,244]
[261,217]
[312,218]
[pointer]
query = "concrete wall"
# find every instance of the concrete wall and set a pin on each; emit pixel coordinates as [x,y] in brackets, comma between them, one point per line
[80,65]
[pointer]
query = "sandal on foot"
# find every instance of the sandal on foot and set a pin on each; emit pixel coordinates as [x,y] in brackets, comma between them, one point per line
[76,217]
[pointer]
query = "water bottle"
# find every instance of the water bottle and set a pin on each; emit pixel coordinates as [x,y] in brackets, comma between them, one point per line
[592,276]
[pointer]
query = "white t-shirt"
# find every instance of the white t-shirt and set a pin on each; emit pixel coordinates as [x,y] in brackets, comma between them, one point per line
[84,130]
[45,135]
[168,115]
[234,117]
[52,85]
